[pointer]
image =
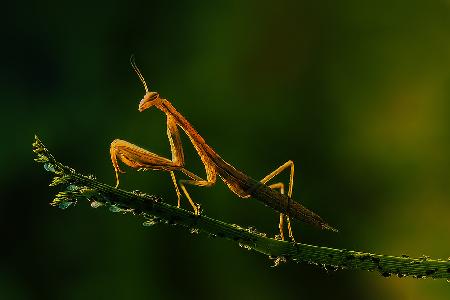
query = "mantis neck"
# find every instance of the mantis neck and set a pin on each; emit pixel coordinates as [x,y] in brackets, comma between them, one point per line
[205,152]
[168,109]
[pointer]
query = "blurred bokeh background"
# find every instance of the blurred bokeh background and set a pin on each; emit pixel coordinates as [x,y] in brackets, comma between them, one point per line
[357,94]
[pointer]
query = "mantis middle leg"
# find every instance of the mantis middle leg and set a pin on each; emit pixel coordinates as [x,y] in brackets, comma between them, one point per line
[280,185]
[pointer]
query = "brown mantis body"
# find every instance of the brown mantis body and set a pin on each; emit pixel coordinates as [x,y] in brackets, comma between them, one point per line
[241,184]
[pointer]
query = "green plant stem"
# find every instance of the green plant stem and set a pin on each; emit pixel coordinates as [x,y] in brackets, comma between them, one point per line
[80,187]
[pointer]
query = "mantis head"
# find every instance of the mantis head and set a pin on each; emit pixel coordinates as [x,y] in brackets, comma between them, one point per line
[150,98]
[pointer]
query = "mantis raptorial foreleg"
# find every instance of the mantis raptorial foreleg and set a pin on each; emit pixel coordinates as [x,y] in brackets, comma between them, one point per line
[139,158]
[280,185]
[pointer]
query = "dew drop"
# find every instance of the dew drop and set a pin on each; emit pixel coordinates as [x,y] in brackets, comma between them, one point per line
[424,257]
[252,229]
[96,204]
[237,226]
[332,268]
[247,247]
[149,223]
[115,209]
[49,167]
[212,235]
[193,230]
[151,220]
[278,261]
[278,237]
[138,193]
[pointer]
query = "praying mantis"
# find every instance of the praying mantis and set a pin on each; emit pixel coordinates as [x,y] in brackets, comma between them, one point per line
[239,183]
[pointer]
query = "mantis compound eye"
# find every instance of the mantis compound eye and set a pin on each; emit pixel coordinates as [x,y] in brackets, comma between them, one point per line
[153,96]
[150,99]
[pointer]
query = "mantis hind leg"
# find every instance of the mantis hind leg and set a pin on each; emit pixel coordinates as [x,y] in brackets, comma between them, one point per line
[280,185]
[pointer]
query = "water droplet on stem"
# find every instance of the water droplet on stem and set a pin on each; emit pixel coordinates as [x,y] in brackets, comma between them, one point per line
[114,209]
[96,204]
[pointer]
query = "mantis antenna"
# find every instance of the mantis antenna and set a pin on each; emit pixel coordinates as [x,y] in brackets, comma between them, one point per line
[138,72]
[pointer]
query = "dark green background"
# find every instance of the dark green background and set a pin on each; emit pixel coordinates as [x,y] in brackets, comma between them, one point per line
[357,94]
